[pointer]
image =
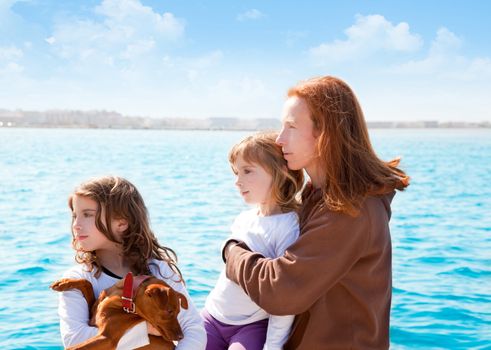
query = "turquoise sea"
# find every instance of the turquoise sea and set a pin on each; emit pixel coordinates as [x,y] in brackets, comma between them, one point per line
[441,226]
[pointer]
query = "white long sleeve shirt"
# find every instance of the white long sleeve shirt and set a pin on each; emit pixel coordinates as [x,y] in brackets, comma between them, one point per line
[227,302]
[74,312]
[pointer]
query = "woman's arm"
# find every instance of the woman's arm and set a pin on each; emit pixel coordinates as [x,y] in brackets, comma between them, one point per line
[328,247]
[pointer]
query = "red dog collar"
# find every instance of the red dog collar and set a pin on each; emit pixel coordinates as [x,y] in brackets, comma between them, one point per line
[127,297]
[129,289]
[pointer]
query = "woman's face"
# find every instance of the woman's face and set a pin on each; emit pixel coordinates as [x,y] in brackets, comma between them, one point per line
[296,138]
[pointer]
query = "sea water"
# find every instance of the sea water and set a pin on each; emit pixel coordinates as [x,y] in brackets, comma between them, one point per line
[441,226]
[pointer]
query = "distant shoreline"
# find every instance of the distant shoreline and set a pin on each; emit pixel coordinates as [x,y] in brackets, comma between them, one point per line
[112,120]
[230,129]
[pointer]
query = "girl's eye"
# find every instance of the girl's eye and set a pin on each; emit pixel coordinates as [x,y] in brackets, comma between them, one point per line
[246,171]
[87,215]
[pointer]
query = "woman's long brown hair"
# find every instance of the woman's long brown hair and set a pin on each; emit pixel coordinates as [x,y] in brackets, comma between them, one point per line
[351,168]
[117,198]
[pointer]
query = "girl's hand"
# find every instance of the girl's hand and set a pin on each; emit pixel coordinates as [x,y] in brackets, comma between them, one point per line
[228,245]
[152,330]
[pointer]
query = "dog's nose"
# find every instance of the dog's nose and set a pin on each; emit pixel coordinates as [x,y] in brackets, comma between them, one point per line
[180,336]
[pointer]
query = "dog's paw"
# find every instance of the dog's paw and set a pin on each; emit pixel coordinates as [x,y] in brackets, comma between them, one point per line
[62,285]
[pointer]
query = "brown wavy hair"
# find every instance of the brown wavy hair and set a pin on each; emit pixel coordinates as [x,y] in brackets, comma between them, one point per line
[121,200]
[351,168]
[261,149]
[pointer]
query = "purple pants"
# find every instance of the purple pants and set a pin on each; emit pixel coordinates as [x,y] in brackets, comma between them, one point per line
[223,336]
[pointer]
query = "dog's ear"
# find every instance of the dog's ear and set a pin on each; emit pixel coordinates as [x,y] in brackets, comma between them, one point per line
[156,290]
[183,300]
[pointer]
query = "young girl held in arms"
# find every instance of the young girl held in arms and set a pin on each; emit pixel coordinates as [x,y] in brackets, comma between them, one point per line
[111,236]
[232,319]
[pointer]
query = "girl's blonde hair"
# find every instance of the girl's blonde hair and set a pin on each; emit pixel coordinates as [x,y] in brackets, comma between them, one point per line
[121,200]
[261,149]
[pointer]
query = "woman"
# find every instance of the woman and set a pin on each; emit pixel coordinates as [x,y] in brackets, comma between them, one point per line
[337,277]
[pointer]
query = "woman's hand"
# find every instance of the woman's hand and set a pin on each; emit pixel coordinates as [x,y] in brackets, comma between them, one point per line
[152,330]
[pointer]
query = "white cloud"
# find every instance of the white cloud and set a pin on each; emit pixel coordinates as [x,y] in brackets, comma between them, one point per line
[445,84]
[207,60]
[131,16]
[5,5]
[7,17]
[126,30]
[9,53]
[369,35]
[192,75]
[252,14]
[51,40]
[445,41]
[123,59]
[11,68]
[138,48]
[444,60]
[249,92]
[480,66]
[231,95]
[245,87]
[193,67]
[167,61]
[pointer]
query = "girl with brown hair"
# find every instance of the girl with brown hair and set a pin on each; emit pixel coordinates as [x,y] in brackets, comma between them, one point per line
[337,277]
[232,319]
[111,236]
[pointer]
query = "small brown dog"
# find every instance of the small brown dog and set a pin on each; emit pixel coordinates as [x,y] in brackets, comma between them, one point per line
[116,311]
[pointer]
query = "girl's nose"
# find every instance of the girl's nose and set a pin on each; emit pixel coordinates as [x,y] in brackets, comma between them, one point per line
[76,225]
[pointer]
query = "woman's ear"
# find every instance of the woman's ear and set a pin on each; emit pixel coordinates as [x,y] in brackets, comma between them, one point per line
[316,132]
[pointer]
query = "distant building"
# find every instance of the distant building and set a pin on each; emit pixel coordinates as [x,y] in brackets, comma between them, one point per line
[223,123]
[268,124]
[110,119]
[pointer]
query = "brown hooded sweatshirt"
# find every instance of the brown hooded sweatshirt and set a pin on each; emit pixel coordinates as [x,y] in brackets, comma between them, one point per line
[337,277]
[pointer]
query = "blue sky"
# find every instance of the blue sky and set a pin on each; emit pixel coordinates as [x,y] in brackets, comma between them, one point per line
[406,60]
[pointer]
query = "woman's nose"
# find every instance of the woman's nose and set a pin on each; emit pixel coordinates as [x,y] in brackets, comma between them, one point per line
[279,140]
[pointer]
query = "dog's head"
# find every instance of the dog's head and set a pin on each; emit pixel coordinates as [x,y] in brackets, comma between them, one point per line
[159,304]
